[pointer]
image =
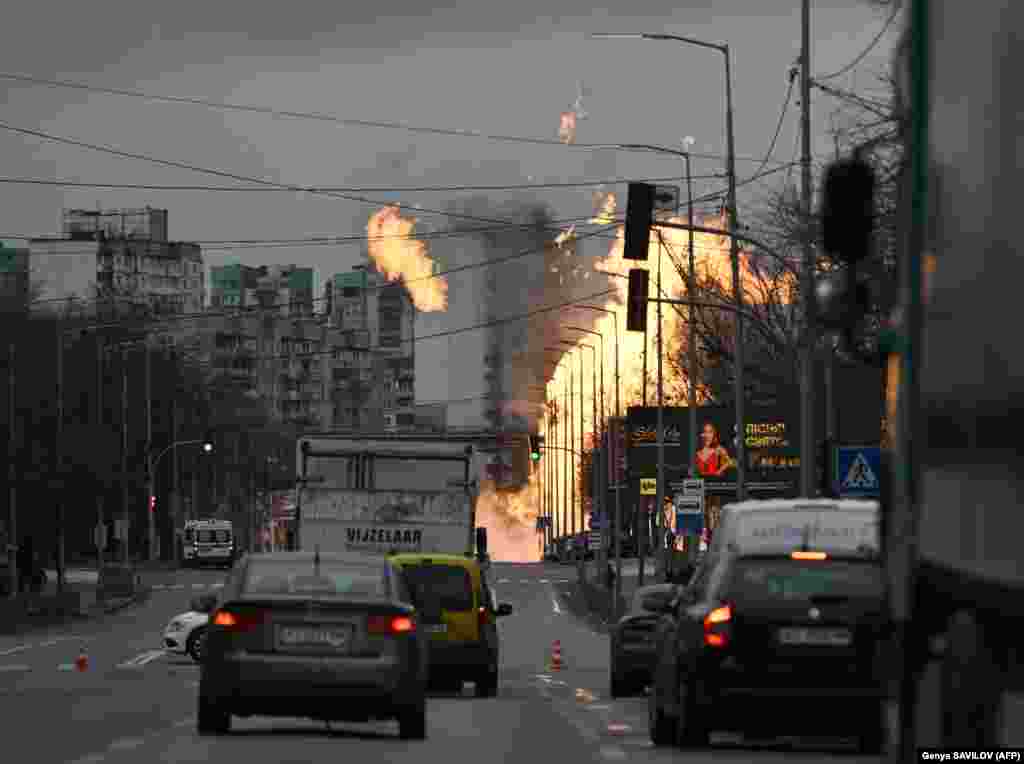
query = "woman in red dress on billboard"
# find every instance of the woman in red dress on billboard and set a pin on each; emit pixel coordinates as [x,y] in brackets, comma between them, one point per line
[711,461]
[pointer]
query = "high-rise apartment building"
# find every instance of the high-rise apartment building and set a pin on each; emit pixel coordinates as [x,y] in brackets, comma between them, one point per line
[117,259]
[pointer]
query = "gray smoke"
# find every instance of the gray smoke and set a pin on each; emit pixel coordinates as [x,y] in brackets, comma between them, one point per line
[516,284]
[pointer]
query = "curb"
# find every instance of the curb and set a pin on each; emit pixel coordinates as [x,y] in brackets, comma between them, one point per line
[123,603]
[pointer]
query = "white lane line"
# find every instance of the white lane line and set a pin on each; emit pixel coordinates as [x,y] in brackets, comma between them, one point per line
[544,581]
[178,586]
[66,667]
[524,581]
[15,667]
[14,650]
[504,581]
[142,659]
[92,758]
[612,753]
[217,585]
[126,743]
[554,604]
[198,586]
[185,722]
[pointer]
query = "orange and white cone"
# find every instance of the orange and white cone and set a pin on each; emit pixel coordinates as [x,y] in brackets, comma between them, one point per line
[556,656]
[82,661]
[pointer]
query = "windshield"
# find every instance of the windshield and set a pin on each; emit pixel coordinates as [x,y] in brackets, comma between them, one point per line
[220,536]
[299,578]
[767,580]
[450,585]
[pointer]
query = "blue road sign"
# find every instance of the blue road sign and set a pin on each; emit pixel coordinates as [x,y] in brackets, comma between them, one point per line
[858,471]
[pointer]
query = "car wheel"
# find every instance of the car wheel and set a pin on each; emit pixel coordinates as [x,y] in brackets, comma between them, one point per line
[691,727]
[195,644]
[487,684]
[412,723]
[662,726]
[212,718]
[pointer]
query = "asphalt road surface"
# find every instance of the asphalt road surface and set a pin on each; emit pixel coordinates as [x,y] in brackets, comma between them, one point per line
[135,703]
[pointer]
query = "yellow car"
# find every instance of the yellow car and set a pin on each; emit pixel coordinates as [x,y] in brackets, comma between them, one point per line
[456,609]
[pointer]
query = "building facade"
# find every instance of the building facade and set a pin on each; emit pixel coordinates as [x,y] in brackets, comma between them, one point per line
[119,259]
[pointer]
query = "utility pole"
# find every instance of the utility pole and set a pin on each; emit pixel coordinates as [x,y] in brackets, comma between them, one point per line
[659,499]
[59,454]
[12,474]
[691,351]
[100,518]
[807,376]
[175,480]
[150,477]
[124,455]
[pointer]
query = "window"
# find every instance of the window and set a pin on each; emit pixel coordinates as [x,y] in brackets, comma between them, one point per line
[301,578]
[450,586]
[773,580]
[220,536]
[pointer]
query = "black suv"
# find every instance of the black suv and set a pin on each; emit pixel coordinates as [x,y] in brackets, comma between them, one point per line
[765,644]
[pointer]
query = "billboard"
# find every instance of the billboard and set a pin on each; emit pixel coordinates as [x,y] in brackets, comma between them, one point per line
[771,443]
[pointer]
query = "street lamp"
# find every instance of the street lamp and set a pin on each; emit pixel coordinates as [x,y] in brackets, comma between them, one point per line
[152,463]
[574,346]
[565,467]
[733,226]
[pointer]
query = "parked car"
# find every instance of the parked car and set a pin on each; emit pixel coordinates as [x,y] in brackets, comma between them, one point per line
[186,633]
[632,640]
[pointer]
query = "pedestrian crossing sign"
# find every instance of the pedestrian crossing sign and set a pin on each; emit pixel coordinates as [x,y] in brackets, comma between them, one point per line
[858,470]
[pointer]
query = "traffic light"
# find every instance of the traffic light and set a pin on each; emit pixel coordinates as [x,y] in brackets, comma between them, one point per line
[535,443]
[847,219]
[636,310]
[639,216]
[152,503]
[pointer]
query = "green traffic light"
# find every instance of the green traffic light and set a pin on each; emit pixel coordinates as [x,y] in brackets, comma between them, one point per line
[535,456]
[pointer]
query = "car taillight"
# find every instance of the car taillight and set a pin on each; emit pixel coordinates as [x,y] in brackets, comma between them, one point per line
[237,621]
[484,616]
[390,624]
[716,626]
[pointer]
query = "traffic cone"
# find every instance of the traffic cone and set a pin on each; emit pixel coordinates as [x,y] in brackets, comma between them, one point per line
[82,661]
[556,655]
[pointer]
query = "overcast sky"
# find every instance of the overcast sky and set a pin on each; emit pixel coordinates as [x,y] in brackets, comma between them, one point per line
[496,67]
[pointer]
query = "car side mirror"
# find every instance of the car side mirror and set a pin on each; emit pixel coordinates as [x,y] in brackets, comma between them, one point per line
[204,603]
[504,609]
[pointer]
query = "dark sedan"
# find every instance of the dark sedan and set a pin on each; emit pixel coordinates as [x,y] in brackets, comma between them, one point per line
[322,636]
[633,651]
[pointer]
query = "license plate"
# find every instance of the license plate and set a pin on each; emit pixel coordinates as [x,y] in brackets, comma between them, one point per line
[436,628]
[334,637]
[824,637]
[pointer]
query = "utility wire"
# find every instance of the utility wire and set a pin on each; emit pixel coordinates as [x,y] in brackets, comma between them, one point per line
[782,117]
[353,189]
[323,117]
[868,49]
[247,179]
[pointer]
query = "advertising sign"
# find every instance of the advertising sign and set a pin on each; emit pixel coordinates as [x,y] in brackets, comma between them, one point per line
[771,442]
[617,450]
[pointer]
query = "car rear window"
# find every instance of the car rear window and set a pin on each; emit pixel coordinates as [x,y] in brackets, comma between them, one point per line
[450,585]
[214,536]
[302,579]
[638,598]
[804,579]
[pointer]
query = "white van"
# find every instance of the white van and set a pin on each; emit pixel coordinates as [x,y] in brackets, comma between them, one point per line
[208,542]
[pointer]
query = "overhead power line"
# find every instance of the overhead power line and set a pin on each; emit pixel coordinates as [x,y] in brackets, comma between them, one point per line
[354,189]
[782,117]
[868,49]
[332,118]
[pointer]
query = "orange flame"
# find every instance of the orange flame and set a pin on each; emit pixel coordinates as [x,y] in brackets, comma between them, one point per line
[511,521]
[401,257]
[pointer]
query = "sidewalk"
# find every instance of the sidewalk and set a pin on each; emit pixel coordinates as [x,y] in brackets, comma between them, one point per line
[81,599]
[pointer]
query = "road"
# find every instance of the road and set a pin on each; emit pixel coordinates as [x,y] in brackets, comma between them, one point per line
[136,703]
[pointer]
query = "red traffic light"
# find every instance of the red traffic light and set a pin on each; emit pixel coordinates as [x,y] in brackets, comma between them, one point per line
[152,503]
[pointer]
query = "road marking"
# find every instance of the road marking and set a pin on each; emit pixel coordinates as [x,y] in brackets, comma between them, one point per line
[618,729]
[504,581]
[612,753]
[92,758]
[66,667]
[14,650]
[198,586]
[524,581]
[217,586]
[142,659]
[544,581]
[126,743]
[178,586]
[555,605]
[15,667]
[185,722]
[599,707]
